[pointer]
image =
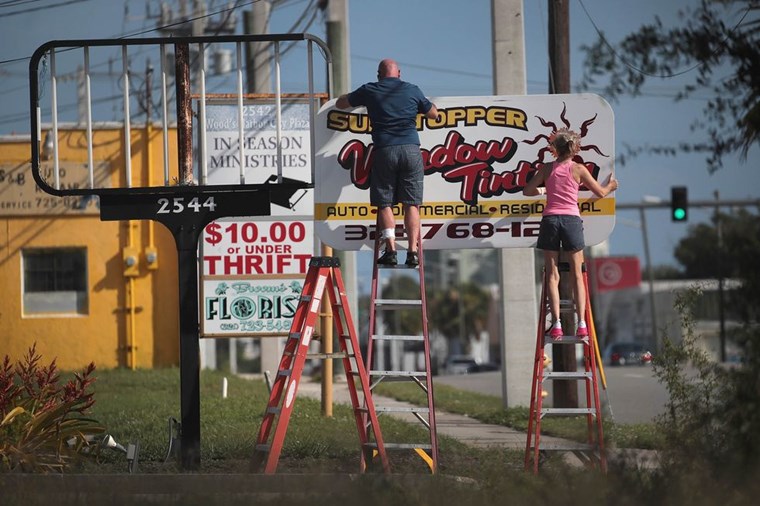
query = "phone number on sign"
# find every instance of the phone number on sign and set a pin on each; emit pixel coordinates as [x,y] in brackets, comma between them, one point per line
[455,230]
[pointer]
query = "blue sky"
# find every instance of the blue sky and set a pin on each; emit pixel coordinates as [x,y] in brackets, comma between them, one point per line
[444,46]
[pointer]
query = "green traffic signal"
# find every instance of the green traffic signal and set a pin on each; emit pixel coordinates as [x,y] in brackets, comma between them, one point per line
[679,203]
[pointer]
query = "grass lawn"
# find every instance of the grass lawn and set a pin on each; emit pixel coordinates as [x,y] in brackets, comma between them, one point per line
[137,406]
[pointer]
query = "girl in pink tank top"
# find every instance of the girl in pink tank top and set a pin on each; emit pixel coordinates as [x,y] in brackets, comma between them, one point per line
[561,225]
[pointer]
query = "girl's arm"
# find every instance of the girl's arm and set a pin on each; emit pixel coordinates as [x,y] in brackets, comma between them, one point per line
[531,189]
[589,182]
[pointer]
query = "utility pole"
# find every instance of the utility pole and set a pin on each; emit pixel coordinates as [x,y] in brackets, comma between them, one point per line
[258,70]
[516,266]
[565,392]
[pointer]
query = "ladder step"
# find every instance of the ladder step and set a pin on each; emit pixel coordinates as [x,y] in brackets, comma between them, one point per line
[397,303]
[566,340]
[568,375]
[567,411]
[398,373]
[397,337]
[323,356]
[400,409]
[263,448]
[401,446]
[274,410]
[285,372]
[566,447]
[397,266]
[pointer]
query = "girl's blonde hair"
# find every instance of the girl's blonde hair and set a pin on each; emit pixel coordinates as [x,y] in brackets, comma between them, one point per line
[564,141]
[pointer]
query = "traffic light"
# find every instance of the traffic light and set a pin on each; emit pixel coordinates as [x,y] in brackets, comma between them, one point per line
[679,203]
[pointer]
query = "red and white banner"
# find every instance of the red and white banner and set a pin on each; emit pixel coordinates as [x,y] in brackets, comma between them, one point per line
[615,273]
[235,247]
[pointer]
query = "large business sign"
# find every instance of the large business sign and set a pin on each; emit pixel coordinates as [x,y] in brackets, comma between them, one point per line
[253,268]
[20,195]
[478,155]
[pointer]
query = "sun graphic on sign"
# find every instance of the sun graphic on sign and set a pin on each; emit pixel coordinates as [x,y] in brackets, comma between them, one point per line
[584,130]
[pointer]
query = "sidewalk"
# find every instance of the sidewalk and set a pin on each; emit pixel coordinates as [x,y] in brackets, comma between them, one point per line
[463,428]
[478,434]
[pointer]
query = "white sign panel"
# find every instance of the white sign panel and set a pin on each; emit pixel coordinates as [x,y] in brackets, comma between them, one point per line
[253,268]
[260,148]
[253,307]
[237,247]
[478,155]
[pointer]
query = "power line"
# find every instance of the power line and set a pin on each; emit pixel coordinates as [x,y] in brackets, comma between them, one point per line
[42,8]
[642,71]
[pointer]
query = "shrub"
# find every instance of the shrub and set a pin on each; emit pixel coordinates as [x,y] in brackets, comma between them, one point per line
[710,424]
[43,426]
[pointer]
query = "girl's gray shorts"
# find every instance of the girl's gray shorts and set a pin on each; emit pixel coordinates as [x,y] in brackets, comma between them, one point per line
[561,231]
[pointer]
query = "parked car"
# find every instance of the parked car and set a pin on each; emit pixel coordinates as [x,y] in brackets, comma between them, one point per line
[465,364]
[627,354]
[460,364]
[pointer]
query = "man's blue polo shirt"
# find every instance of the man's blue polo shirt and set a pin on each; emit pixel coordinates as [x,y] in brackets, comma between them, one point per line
[392,105]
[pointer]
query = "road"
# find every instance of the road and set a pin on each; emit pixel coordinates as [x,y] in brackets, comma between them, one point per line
[633,393]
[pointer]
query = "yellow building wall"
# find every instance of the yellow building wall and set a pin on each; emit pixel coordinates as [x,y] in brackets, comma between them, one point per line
[109,334]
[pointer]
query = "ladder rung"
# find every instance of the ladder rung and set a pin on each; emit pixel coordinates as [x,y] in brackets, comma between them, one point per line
[397,266]
[263,448]
[390,337]
[566,340]
[294,335]
[397,373]
[402,446]
[323,356]
[400,409]
[566,447]
[274,410]
[397,303]
[567,411]
[285,372]
[568,375]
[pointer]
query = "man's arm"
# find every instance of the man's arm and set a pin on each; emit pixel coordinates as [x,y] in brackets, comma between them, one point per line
[432,113]
[343,102]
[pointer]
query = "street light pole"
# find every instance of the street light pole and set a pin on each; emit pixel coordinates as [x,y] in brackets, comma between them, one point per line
[650,275]
[719,265]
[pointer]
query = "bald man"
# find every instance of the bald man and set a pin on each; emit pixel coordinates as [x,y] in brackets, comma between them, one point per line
[397,169]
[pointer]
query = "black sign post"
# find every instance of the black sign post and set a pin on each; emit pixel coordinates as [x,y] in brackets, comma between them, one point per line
[185,212]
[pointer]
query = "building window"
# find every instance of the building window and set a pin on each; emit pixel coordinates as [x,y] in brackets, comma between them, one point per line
[55,280]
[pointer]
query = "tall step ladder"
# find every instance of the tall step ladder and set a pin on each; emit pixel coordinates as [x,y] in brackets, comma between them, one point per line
[324,273]
[381,347]
[592,452]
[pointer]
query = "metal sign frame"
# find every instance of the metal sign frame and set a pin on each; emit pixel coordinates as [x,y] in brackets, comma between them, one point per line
[185,208]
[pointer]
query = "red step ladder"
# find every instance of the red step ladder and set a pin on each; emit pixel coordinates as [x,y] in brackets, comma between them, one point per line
[592,452]
[324,273]
[420,374]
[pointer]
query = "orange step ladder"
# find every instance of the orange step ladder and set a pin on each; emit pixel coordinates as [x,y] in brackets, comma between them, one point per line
[324,273]
[592,452]
[381,342]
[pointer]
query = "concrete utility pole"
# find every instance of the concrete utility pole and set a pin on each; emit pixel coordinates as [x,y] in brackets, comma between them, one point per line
[257,54]
[517,266]
[565,392]
[258,75]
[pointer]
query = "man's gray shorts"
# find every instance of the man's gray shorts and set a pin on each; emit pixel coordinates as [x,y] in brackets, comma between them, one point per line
[396,177]
[561,230]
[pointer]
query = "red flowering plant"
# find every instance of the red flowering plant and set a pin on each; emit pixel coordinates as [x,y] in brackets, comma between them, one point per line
[43,426]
